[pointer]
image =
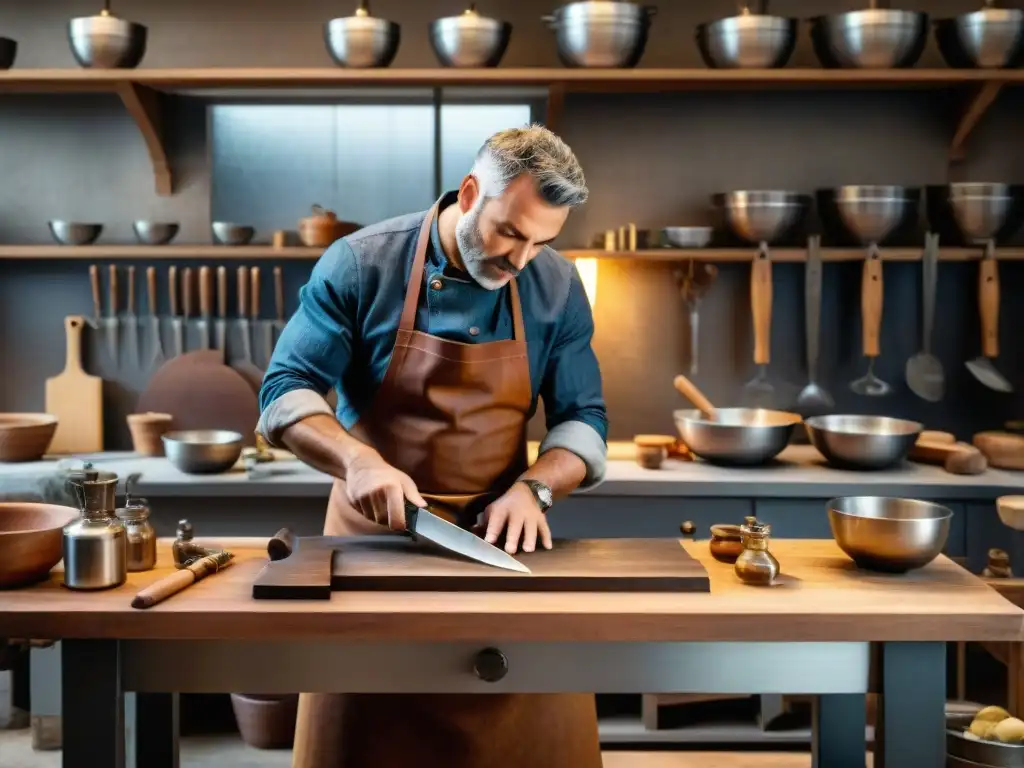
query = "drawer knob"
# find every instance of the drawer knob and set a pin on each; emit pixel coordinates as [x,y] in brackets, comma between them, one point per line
[491,665]
[687,528]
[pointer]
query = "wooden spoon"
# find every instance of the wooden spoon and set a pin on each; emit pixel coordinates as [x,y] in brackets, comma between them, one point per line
[689,390]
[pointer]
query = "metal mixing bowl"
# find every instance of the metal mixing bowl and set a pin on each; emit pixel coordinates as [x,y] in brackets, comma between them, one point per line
[876,38]
[601,33]
[107,42]
[891,535]
[362,41]
[991,38]
[686,237]
[154,232]
[747,41]
[226,233]
[980,209]
[761,215]
[74,233]
[469,40]
[738,437]
[862,442]
[8,52]
[203,451]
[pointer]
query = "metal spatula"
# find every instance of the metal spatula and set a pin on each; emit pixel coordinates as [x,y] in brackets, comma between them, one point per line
[988,301]
[813,398]
[871,324]
[924,371]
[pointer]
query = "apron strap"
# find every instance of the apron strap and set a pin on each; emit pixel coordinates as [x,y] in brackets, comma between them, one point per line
[518,329]
[412,293]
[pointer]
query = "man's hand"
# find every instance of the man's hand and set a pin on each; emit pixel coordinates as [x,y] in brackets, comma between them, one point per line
[519,515]
[379,491]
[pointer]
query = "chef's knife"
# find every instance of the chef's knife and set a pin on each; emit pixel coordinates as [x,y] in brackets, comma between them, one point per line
[423,524]
[243,312]
[112,321]
[133,320]
[222,308]
[172,291]
[254,304]
[187,296]
[278,325]
[205,306]
[154,318]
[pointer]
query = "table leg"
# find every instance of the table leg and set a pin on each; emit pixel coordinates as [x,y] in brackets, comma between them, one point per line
[911,726]
[151,722]
[92,704]
[838,728]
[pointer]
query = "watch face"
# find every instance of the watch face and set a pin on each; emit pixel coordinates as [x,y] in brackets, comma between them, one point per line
[543,494]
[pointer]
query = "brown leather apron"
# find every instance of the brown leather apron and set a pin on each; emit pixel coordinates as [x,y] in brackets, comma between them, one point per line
[453,417]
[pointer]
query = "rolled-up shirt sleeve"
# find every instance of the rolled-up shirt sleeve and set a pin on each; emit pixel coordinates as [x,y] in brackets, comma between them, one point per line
[315,346]
[574,407]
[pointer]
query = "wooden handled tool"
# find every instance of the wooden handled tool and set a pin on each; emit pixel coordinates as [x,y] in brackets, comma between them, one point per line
[113,291]
[956,458]
[761,307]
[243,293]
[187,293]
[871,303]
[222,292]
[172,289]
[94,281]
[151,290]
[281,544]
[131,290]
[689,390]
[254,299]
[179,580]
[205,292]
[988,301]
[279,295]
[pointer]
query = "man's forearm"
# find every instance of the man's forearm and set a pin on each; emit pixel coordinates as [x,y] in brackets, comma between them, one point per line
[320,441]
[561,470]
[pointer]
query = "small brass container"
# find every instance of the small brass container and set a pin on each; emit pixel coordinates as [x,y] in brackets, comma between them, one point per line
[756,565]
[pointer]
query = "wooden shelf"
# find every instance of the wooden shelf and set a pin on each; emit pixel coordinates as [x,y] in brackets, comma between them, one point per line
[169,251]
[721,255]
[141,90]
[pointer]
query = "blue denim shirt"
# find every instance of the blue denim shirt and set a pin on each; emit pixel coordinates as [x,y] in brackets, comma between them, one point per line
[343,333]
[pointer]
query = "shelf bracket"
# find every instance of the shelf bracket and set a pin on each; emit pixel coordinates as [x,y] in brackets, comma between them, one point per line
[144,106]
[977,106]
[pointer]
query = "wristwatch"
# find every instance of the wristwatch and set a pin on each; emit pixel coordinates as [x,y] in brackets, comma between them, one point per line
[541,493]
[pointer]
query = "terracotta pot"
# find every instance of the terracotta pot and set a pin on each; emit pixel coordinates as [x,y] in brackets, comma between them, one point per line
[323,228]
[25,436]
[147,429]
[266,721]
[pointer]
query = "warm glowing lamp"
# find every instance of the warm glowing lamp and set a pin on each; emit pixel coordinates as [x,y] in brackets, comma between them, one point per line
[587,267]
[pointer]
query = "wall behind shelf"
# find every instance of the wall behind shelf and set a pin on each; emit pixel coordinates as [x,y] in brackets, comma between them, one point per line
[650,159]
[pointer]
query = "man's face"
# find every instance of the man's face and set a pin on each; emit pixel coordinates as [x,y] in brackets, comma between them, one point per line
[499,237]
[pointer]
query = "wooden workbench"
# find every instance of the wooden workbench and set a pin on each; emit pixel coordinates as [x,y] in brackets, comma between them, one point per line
[811,634]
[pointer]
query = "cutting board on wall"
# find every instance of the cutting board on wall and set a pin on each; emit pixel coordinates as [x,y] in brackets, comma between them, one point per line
[318,565]
[75,398]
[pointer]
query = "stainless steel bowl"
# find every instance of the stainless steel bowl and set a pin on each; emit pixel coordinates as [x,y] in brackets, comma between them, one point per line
[469,40]
[747,41]
[862,442]
[886,534]
[8,52]
[601,33]
[107,42]
[871,212]
[980,209]
[203,451]
[686,237]
[74,233]
[154,232]
[226,233]
[738,436]
[877,38]
[992,38]
[361,40]
[761,215]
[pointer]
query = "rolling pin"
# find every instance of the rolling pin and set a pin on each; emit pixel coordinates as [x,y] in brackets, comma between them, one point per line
[956,458]
[170,585]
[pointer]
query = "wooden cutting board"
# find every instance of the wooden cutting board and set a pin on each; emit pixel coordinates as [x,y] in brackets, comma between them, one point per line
[75,398]
[319,565]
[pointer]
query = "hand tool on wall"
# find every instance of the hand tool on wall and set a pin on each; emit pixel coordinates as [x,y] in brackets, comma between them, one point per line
[187,297]
[759,390]
[924,371]
[172,293]
[243,312]
[222,308]
[205,306]
[112,321]
[278,324]
[813,399]
[75,398]
[154,318]
[133,320]
[871,292]
[97,302]
[988,301]
[254,304]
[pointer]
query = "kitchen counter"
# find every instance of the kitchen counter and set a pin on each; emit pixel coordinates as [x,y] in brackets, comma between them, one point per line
[811,634]
[800,472]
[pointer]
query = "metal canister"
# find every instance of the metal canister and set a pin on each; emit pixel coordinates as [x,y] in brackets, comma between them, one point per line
[755,564]
[95,551]
[140,536]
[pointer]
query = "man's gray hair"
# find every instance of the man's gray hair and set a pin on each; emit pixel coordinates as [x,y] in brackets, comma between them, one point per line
[538,152]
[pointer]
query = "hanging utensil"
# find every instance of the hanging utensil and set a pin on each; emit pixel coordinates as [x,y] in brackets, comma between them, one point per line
[813,398]
[205,306]
[988,301]
[924,371]
[222,309]
[154,319]
[254,305]
[278,302]
[759,390]
[133,320]
[187,297]
[112,320]
[172,292]
[243,312]
[871,324]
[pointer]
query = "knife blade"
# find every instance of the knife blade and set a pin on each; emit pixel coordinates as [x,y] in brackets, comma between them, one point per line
[254,305]
[112,321]
[275,328]
[133,320]
[422,523]
[154,318]
[243,311]
[205,306]
[222,308]
[172,290]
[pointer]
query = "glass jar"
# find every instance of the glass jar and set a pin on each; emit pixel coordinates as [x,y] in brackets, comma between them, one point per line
[141,542]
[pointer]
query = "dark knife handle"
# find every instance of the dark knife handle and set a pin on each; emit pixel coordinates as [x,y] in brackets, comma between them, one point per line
[412,516]
[281,544]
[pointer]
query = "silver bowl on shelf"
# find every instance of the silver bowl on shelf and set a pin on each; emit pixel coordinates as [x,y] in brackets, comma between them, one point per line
[601,33]
[862,442]
[989,38]
[875,38]
[203,451]
[889,534]
[154,232]
[980,209]
[685,237]
[227,233]
[736,436]
[105,41]
[469,39]
[761,216]
[8,52]
[869,212]
[362,41]
[749,40]
[74,232]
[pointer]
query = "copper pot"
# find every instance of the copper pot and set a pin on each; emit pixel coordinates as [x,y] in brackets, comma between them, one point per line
[323,228]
